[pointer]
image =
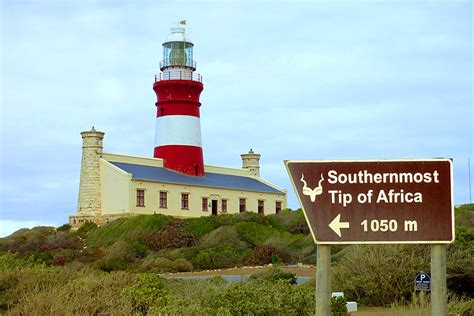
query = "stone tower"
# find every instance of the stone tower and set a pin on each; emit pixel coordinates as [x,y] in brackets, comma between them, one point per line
[89,186]
[251,161]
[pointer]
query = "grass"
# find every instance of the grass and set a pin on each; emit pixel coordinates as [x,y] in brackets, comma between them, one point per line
[122,228]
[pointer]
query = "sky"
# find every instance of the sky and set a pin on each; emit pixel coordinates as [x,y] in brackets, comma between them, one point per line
[290,79]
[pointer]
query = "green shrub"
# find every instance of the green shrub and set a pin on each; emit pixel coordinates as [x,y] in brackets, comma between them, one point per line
[301,249]
[173,235]
[378,275]
[338,306]
[64,227]
[222,235]
[460,305]
[221,256]
[64,291]
[273,275]
[460,256]
[286,219]
[188,253]
[262,255]
[182,265]
[299,228]
[156,264]
[148,291]
[200,226]
[122,228]
[253,233]
[27,240]
[119,256]
[264,298]
[12,262]
[85,228]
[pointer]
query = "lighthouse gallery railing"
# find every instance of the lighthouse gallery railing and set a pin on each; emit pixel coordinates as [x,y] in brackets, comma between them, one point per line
[178,75]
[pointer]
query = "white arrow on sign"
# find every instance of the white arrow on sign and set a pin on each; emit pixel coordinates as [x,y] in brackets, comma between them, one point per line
[336,225]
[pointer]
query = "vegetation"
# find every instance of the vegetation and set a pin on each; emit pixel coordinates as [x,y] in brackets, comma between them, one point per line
[113,268]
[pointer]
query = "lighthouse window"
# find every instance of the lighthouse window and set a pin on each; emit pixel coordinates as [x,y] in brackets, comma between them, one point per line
[242,205]
[205,202]
[141,197]
[163,199]
[185,201]
[261,204]
[277,207]
[224,206]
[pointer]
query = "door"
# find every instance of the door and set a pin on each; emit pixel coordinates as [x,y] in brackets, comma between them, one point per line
[214,207]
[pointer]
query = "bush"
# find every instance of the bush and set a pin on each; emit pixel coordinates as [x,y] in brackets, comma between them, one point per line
[222,235]
[275,275]
[64,227]
[85,228]
[173,235]
[221,256]
[378,275]
[27,240]
[62,291]
[262,255]
[200,226]
[255,234]
[119,256]
[148,291]
[182,265]
[160,265]
[338,306]
[156,265]
[122,228]
[286,219]
[264,298]
[460,269]
[299,228]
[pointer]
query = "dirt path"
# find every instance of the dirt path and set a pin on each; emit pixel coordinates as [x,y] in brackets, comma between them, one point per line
[300,271]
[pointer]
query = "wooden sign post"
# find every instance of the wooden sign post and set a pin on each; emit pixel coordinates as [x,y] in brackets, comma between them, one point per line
[377,202]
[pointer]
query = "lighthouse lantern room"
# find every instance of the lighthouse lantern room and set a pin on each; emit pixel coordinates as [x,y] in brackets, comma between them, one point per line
[178,88]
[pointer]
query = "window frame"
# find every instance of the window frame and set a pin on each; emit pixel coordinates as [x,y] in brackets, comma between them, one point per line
[140,196]
[205,204]
[262,202]
[278,206]
[244,204]
[163,200]
[185,201]
[224,205]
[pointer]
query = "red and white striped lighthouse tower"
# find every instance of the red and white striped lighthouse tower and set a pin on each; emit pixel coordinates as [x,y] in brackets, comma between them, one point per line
[178,87]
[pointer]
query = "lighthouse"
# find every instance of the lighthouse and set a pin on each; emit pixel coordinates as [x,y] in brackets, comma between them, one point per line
[178,88]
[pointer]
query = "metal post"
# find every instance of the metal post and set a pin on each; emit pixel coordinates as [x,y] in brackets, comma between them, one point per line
[323,281]
[439,290]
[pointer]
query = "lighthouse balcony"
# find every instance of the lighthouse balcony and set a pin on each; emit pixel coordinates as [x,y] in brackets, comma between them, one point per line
[178,75]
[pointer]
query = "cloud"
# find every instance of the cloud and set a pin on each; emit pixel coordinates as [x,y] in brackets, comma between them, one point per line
[297,80]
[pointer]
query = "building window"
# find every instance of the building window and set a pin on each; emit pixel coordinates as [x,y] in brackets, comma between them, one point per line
[205,203]
[163,199]
[140,197]
[242,205]
[261,206]
[184,201]
[224,206]
[277,207]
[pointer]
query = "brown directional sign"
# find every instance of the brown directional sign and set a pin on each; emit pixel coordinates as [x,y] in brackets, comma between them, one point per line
[388,201]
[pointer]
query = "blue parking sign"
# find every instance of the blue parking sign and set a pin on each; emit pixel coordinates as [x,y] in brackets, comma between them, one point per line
[423,281]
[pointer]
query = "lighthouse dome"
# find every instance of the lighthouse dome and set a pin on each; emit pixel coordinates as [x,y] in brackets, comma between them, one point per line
[178,35]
